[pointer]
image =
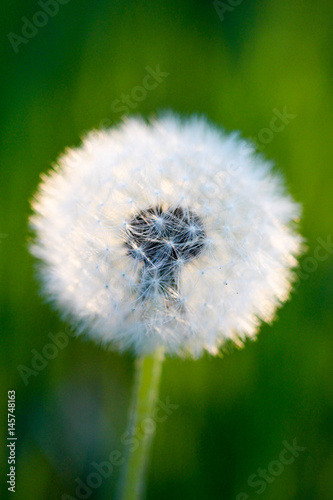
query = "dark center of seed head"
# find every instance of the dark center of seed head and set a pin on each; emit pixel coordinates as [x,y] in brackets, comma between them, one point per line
[162,240]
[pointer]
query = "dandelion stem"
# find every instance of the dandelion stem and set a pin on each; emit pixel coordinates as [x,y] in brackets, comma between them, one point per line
[141,425]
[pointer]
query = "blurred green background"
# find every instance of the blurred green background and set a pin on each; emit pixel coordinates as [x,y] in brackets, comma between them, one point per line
[234,413]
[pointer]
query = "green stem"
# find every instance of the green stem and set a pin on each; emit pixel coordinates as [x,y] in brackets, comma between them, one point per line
[141,425]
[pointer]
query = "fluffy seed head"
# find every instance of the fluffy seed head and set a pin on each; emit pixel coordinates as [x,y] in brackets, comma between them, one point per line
[169,233]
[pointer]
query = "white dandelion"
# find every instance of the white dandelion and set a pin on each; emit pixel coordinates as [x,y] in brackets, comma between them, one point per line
[165,234]
[164,237]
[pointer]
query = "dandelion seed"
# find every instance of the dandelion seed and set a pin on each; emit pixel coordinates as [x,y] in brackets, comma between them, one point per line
[156,209]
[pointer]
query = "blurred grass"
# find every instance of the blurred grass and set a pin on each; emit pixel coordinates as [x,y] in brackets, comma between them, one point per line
[234,412]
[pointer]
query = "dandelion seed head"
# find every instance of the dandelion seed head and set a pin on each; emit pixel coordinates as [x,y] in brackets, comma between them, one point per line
[165,233]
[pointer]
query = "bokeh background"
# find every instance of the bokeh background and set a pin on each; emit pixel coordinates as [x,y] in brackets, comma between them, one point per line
[238,67]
